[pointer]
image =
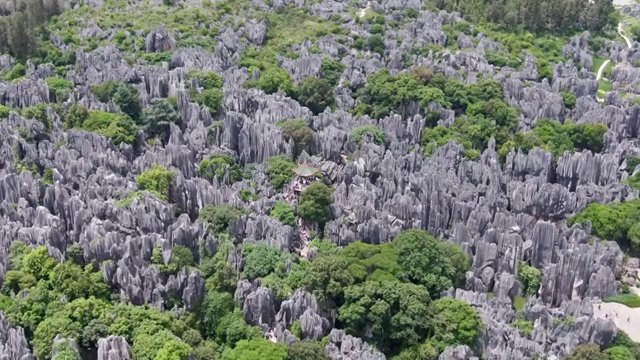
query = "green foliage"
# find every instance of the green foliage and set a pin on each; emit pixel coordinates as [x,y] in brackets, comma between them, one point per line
[385,93]
[314,203]
[280,171]
[147,346]
[261,260]
[569,99]
[424,351]
[181,256]
[248,195]
[216,305]
[47,331]
[211,98]
[299,132]
[328,277]
[117,127]
[38,263]
[393,313]
[623,340]
[632,163]
[4,112]
[457,323]
[127,98]
[306,350]
[524,326]
[76,116]
[207,79]
[105,91]
[518,303]
[379,137]
[18,71]
[586,352]
[47,176]
[38,112]
[630,300]
[220,217]
[284,212]
[158,179]
[614,221]
[315,93]
[368,262]
[332,70]
[529,277]
[618,353]
[217,165]
[157,118]
[437,265]
[256,349]
[275,79]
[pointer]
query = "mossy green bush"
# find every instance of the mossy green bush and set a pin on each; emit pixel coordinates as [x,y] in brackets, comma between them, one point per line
[158,179]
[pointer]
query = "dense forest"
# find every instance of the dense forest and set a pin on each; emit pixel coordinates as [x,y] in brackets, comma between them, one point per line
[319,180]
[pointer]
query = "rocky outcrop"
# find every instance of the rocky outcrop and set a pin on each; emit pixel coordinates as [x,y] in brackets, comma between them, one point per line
[159,40]
[13,343]
[113,348]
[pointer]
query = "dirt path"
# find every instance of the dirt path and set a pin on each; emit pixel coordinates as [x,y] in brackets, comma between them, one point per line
[601,69]
[621,33]
[363,12]
[625,318]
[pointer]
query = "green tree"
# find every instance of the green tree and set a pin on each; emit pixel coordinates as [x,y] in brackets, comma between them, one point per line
[157,118]
[274,79]
[299,131]
[328,277]
[158,180]
[256,349]
[332,70]
[48,329]
[457,323]
[280,170]
[568,99]
[426,261]
[214,307]
[261,260]
[146,346]
[38,263]
[76,116]
[174,350]
[379,137]
[314,203]
[394,315]
[216,165]
[306,350]
[587,352]
[105,91]
[117,127]
[425,351]
[315,93]
[127,98]
[212,99]
[74,282]
[220,217]
[4,112]
[618,353]
[284,212]
[529,277]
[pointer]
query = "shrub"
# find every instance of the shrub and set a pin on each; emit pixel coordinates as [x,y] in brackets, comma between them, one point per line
[274,79]
[375,43]
[158,179]
[220,217]
[314,203]
[47,177]
[117,127]
[59,84]
[212,99]
[569,99]
[17,71]
[315,93]
[280,171]
[207,79]
[529,277]
[285,213]
[299,131]
[76,116]
[248,195]
[378,134]
[332,70]
[261,260]
[216,165]
[157,118]
[524,326]
[38,112]
[4,111]
[632,161]
[127,98]
[105,91]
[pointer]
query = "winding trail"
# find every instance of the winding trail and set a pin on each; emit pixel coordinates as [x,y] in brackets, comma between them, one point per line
[363,12]
[601,69]
[621,33]
[604,64]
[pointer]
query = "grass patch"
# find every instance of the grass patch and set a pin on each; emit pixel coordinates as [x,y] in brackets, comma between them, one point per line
[630,300]
[519,302]
[597,62]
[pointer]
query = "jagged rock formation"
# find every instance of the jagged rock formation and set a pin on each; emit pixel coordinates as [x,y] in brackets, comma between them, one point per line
[13,343]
